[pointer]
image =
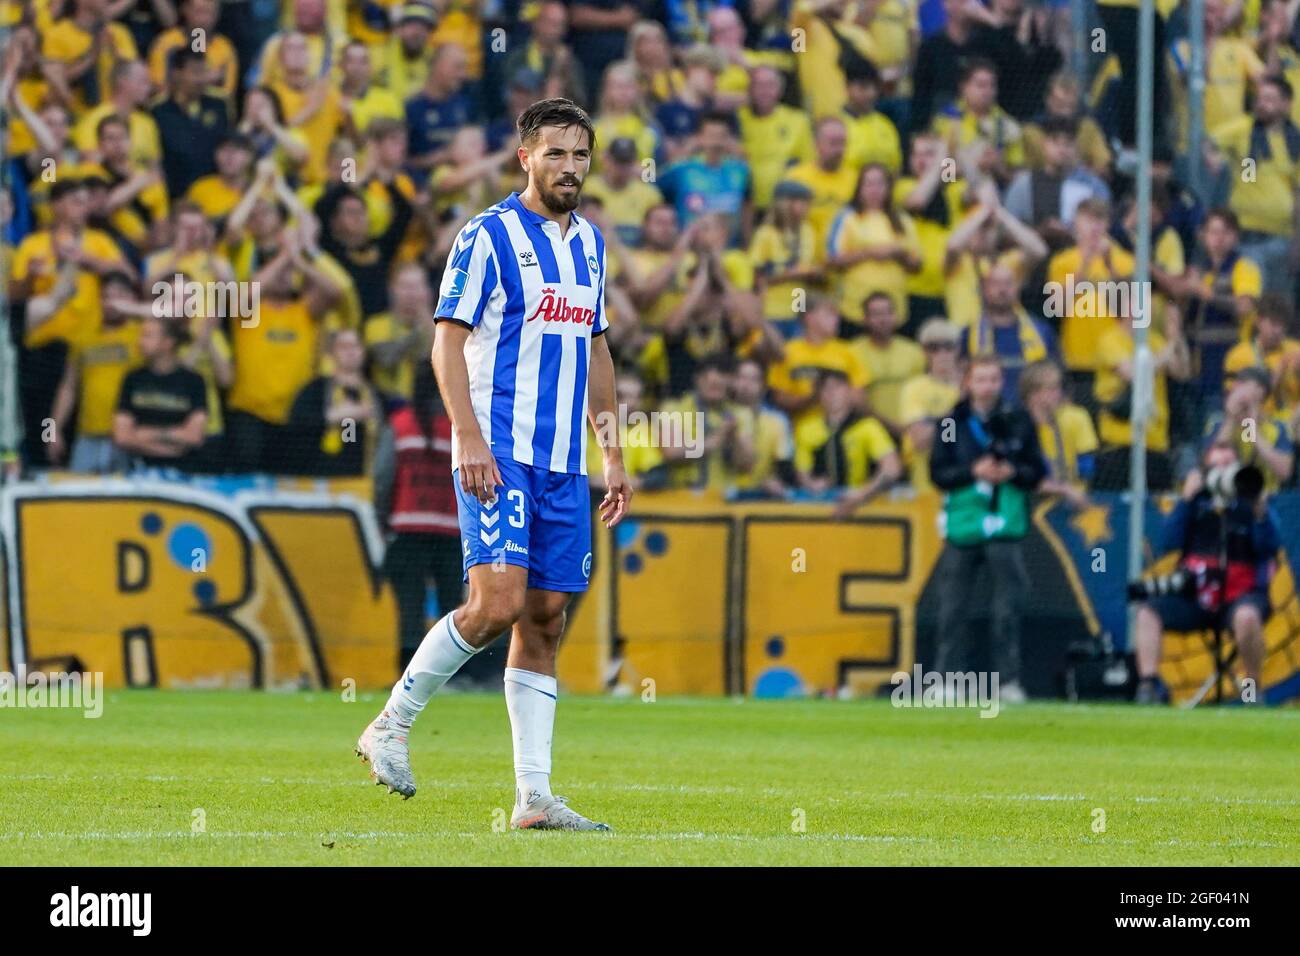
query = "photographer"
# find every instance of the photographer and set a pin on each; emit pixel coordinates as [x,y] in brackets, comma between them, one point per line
[987,460]
[1227,537]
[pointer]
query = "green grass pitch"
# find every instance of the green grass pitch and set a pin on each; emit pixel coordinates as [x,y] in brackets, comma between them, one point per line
[270,778]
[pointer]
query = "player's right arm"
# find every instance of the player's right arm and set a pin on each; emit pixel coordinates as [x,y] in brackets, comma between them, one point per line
[474,461]
[467,286]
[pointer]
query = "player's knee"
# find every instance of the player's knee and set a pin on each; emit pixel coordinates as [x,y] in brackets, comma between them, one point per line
[549,627]
[494,613]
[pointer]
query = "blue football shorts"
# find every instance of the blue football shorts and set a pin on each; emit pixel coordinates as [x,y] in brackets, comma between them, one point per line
[539,520]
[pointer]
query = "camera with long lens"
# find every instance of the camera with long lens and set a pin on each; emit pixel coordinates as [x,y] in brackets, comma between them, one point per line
[1178,582]
[1234,482]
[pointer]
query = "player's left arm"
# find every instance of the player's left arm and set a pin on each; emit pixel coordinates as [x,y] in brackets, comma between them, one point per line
[604,421]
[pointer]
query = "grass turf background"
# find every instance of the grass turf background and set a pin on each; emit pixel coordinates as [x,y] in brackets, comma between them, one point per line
[682,781]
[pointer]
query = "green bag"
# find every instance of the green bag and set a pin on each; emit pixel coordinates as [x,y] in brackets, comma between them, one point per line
[983,512]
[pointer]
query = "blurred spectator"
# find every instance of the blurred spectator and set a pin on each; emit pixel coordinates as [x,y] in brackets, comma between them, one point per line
[311,103]
[890,360]
[766,430]
[400,340]
[218,193]
[1064,103]
[85,43]
[1093,265]
[1114,396]
[719,311]
[715,449]
[342,211]
[873,138]
[643,458]
[190,122]
[832,179]
[1265,202]
[1005,330]
[832,35]
[599,29]
[416,501]
[263,122]
[793,379]
[1224,285]
[198,18]
[1047,196]
[1018,37]
[784,257]
[621,112]
[1120,21]
[977,118]
[336,418]
[926,397]
[772,134]
[275,356]
[136,205]
[547,54]
[130,92]
[92,380]
[837,447]
[1258,437]
[974,249]
[681,114]
[987,463]
[306,20]
[873,247]
[1065,433]
[939,62]
[727,39]
[624,194]
[407,58]
[56,275]
[161,414]
[440,108]
[711,182]
[1273,348]
[936,204]
[362,100]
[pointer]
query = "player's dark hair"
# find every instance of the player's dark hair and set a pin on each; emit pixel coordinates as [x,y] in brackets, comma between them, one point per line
[554,112]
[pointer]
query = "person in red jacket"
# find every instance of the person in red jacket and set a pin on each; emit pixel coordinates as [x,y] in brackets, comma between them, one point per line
[416,502]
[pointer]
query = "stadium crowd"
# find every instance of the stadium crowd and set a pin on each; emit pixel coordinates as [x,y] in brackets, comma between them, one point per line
[817,211]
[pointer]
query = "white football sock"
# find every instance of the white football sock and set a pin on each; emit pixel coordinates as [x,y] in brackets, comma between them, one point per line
[439,656]
[530,699]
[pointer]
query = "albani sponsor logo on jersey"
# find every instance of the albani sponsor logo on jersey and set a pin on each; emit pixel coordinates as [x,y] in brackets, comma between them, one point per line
[552,309]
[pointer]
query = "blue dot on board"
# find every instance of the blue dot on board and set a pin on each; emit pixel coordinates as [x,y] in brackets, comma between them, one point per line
[205,591]
[626,533]
[151,522]
[775,647]
[184,540]
[656,542]
[632,563]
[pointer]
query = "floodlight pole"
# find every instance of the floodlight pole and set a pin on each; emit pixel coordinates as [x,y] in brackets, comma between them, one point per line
[1141,300]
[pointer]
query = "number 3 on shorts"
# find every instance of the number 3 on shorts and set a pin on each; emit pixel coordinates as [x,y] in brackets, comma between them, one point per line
[516,498]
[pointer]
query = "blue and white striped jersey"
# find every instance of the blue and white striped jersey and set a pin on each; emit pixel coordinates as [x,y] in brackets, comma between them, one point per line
[533,301]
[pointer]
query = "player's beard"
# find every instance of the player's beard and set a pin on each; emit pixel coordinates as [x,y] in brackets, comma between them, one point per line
[556,201]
